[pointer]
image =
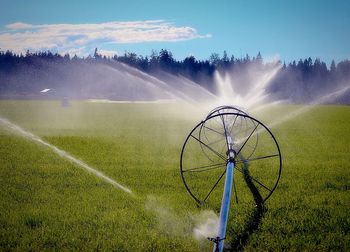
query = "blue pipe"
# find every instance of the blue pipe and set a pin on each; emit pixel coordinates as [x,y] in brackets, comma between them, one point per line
[225,207]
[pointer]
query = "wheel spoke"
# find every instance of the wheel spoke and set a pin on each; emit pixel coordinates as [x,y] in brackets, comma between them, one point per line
[225,130]
[216,183]
[253,159]
[257,181]
[233,124]
[213,130]
[215,142]
[214,151]
[247,139]
[204,168]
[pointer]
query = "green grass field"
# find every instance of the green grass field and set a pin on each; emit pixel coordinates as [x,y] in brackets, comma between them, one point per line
[48,203]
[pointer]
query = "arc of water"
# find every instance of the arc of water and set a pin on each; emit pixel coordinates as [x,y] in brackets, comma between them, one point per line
[63,154]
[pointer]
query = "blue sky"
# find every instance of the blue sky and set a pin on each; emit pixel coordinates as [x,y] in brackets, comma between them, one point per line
[286,29]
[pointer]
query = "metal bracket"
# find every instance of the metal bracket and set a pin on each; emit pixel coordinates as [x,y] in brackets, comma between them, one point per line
[216,240]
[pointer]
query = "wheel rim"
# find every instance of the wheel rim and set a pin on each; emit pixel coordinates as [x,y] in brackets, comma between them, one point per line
[203,174]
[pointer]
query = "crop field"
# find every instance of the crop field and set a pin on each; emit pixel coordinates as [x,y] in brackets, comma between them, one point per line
[49,203]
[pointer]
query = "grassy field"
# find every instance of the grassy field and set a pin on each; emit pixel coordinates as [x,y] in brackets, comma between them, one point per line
[49,203]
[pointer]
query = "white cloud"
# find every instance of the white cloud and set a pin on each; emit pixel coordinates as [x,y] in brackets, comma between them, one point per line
[75,51]
[20,37]
[19,25]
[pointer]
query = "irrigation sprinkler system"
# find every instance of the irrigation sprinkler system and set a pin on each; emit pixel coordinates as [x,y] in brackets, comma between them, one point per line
[229,140]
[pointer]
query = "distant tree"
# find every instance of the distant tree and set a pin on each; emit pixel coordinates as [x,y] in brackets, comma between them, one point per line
[232,60]
[96,54]
[143,63]
[66,57]
[154,60]
[225,61]
[259,58]
[343,71]
[247,58]
[129,58]
[165,59]
[190,62]
[284,67]
[214,59]
[191,67]
[333,67]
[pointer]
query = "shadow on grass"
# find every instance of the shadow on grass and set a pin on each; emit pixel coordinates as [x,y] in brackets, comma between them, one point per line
[253,222]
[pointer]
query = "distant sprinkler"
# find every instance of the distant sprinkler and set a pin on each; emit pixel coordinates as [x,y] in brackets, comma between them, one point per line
[229,139]
[45,90]
[64,100]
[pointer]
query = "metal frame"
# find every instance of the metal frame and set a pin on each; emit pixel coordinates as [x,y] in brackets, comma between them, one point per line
[217,110]
[231,160]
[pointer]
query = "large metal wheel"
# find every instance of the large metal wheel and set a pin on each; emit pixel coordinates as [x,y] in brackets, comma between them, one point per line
[204,156]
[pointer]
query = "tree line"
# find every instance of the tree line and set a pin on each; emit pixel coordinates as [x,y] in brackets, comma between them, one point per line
[298,81]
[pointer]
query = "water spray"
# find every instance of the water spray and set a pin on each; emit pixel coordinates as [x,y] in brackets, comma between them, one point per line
[229,140]
[63,154]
